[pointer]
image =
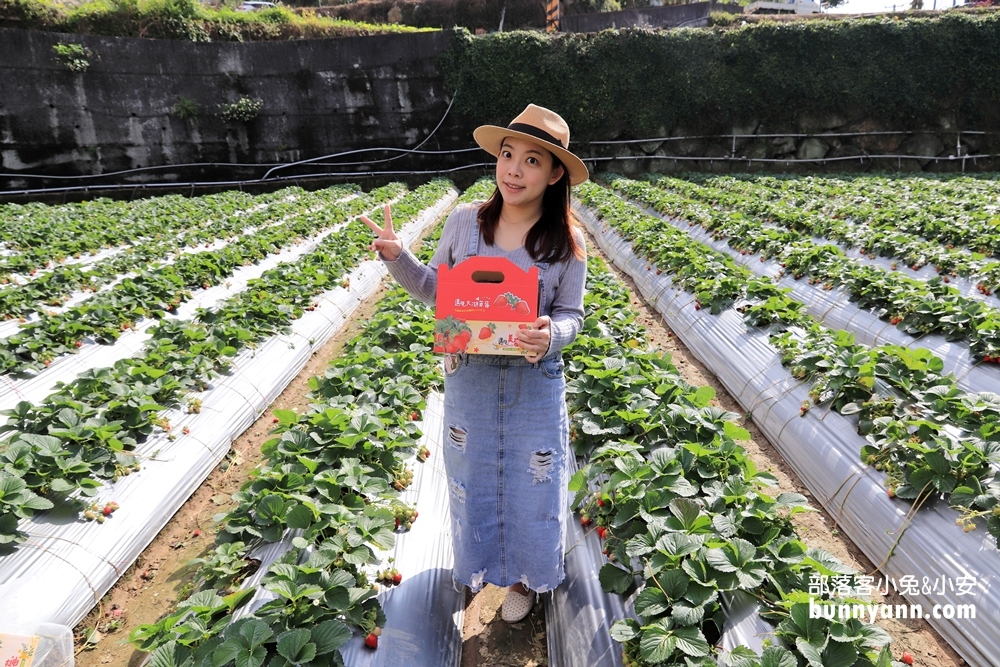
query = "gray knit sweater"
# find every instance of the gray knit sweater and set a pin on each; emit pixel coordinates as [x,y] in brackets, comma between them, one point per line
[562,282]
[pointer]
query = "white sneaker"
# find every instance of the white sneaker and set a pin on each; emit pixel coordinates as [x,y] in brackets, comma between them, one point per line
[516,606]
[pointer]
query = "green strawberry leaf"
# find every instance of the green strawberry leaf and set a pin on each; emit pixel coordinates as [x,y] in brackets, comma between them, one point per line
[614,579]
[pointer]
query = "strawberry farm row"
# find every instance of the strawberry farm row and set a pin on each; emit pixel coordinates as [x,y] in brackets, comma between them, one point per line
[879,231]
[51,288]
[682,510]
[70,446]
[836,306]
[844,373]
[960,212]
[329,489]
[163,288]
[931,438]
[674,453]
[917,307]
[37,236]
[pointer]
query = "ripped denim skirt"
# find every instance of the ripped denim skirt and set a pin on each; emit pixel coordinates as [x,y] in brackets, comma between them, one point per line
[506,442]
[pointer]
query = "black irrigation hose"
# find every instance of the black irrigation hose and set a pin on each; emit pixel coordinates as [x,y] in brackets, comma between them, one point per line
[437,172]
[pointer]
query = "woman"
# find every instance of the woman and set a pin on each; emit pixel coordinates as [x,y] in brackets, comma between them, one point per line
[506,427]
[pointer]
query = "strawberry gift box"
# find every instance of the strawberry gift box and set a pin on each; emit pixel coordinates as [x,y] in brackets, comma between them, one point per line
[481,304]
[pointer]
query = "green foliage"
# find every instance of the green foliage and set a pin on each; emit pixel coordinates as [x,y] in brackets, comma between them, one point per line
[639,83]
[723,18]
[73,57]
[186,109]
[481,14]
[180,19]
[929,435]
[242,111]
[588,6]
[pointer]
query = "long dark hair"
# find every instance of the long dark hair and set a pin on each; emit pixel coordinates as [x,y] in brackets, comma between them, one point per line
[552,238]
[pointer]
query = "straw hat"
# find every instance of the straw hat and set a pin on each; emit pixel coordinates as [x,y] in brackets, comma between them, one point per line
[541,126]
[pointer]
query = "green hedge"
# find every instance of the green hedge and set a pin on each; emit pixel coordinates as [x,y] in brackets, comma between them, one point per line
[471,14]
[180,19]
[906,73]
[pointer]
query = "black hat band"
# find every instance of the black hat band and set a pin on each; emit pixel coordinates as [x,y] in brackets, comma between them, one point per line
[535,132]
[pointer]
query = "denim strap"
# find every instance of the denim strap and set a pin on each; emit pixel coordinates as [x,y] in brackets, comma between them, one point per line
[473,249]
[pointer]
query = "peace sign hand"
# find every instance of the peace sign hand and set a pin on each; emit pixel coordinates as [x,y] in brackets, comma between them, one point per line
[386,241]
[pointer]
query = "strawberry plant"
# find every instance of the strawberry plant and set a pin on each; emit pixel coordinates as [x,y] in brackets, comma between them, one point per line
[156,291]
[918,307]
[684,515]
[86,431]
[327,475]
[931,441]
[198,221]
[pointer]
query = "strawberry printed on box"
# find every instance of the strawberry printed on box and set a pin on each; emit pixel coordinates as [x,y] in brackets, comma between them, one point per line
[481,304]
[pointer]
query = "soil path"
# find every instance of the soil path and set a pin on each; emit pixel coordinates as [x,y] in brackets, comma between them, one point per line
[151,586]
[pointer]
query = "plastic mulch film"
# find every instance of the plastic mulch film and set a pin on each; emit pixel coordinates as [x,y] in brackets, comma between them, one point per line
[424,614]
[11,327]
[965,286]
[933,562]
[743,625]
[53,644]
[130,343]
[835,309]
[82,560]
[578,613]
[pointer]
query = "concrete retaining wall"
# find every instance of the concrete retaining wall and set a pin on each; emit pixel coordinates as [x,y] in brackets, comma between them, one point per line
[319,97]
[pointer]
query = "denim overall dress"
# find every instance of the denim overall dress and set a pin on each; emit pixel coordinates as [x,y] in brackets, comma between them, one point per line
[506,442]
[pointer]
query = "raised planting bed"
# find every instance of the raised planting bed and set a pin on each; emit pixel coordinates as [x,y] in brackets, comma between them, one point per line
[695,290]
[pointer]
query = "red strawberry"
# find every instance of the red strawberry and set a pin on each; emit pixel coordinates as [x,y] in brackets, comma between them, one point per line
[602,532]
[891,492]
[78,343]
[600,502]
[371,641]
[275,420]
[414,416]
[584,520]
[196,533]
[397,578]
[485,333]
[107,510]
[906,659]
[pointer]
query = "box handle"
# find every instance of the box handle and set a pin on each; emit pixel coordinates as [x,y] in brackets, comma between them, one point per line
[487,277]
